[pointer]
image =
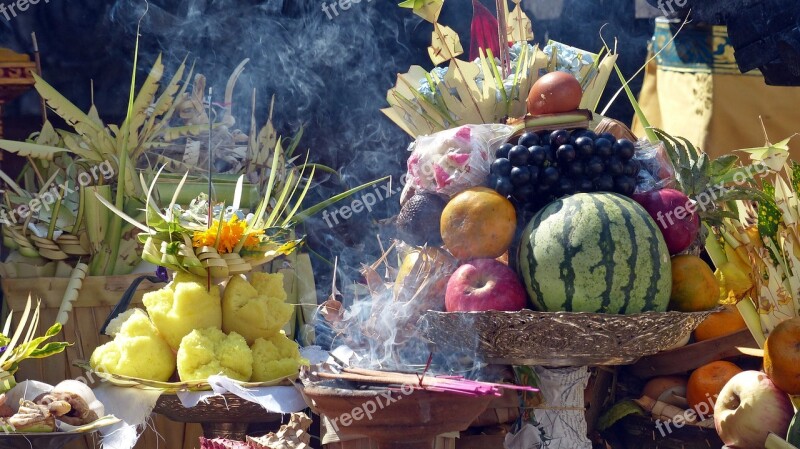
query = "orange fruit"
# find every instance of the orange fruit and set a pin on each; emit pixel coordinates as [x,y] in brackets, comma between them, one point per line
[478,223]
[706,382]
[694,286]
[724,322]
[782,356]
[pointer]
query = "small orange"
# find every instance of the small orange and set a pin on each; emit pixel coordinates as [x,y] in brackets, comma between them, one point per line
[724,322]
[706,382]
[782,356]
[694,286]
[478,223]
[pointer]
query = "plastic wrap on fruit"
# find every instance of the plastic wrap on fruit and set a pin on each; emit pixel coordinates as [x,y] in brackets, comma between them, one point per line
[570,59]
[453,160]
[656,170]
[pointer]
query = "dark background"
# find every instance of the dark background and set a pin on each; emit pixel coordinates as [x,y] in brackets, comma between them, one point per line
[330,76]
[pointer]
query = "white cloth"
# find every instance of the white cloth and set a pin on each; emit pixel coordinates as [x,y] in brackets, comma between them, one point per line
[131,405]
[272,399]
[562,419]
[134,406]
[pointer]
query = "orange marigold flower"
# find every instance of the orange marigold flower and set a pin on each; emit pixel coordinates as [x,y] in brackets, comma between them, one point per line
[225,237]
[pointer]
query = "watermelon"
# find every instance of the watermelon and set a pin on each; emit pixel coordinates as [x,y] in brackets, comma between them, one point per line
[595,252]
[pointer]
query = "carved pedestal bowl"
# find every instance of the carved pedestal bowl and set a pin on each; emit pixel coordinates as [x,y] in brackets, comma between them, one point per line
[395,418]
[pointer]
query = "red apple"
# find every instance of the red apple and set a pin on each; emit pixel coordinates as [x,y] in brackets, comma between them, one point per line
[484,284]
[749,407]
[675,214]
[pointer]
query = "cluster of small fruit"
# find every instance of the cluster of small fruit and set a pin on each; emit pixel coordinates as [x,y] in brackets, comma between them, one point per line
[547,165]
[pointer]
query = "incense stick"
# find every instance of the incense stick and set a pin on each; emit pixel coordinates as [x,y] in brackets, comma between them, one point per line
[444,384]
[210,203]
[38,60]
[502,34]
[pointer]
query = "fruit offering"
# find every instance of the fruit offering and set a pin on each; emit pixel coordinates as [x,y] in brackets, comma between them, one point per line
[452,160]
[238,335]
[694,286]
[275,358]
[184,305]
[749,407]
[70,402]
[595,252]
[138,349]
[478,223]
[208,352]
[255,309]
[706,382]
[418,221]
[721,323]
[548,165]
[782,356]
[675,214]
[554,92]
[484,284]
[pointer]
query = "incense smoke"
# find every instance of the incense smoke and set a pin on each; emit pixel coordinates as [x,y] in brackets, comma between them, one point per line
[330,76]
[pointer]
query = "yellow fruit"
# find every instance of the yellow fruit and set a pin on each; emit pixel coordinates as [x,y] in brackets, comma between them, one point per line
[782,356]
[405,269]
[478,223]
[694,286]
[720,323]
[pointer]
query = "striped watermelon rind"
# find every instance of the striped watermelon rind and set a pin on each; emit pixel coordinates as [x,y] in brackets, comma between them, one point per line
[595,252]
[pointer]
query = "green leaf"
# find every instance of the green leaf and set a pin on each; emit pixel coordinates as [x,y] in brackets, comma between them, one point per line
[723,164]
[795,177]
[651,136]
[302,216]
[82,123]
[769,215]
[48,350]
[617,412]
[299,200]
[740,174]
[120,214]
[26,149]
[53,331]
[743,194]
[320,167]
[295,142]
[704,165]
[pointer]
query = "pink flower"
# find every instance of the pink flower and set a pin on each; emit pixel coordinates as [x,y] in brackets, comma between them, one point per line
[458,158]
[441,175]
[464,133]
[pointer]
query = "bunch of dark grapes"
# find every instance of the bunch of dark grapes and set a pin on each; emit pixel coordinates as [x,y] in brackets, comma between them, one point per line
[548,165]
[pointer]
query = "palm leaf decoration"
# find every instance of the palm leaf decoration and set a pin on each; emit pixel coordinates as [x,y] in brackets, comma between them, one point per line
[23,344]
[484,90]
